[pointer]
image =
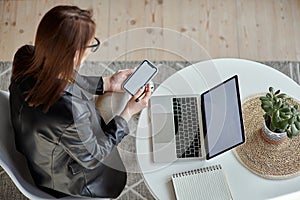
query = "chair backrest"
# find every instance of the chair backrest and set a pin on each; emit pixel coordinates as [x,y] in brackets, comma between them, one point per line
[11,160]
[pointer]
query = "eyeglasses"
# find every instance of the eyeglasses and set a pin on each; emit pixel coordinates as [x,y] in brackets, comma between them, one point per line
[94,47]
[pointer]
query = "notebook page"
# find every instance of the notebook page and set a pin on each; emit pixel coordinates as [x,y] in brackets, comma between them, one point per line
[204,183]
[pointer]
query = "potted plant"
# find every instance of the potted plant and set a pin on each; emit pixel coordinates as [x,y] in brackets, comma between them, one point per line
[281,117]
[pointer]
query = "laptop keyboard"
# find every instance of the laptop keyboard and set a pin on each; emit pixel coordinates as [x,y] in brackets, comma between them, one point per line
[187,131]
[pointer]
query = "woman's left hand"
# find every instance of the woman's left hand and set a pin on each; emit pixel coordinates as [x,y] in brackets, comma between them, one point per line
[132,107]
[114,83]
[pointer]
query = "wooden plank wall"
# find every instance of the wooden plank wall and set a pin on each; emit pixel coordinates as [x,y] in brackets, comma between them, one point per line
[266,30]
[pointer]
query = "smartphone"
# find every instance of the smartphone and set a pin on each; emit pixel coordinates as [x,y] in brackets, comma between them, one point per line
[140,77]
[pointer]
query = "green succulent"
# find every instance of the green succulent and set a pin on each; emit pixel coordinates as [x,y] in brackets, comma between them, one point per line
[280,115]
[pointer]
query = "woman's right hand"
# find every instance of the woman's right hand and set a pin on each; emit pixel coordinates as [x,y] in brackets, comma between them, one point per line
[133,107]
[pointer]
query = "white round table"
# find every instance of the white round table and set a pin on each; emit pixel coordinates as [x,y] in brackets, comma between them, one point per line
[254,78]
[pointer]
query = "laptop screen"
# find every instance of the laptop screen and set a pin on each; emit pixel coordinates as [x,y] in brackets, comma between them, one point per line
[222,118]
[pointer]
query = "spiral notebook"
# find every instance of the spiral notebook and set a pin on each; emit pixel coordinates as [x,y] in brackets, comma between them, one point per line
[204,183]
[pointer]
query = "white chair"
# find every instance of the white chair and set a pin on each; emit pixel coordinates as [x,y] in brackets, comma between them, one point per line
[11,160]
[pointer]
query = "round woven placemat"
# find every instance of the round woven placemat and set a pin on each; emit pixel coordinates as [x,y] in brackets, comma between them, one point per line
[272,161]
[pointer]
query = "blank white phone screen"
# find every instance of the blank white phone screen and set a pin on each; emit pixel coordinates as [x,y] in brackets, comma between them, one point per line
[140,77]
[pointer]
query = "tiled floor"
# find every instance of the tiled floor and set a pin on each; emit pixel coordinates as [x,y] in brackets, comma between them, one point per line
[136,187]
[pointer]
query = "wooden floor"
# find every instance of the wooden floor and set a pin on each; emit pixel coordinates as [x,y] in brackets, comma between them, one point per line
[263,30]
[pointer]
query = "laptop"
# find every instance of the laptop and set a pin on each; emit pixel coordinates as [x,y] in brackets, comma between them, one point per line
[197,126]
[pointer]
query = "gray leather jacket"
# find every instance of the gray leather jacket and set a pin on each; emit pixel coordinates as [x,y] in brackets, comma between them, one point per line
[69,149]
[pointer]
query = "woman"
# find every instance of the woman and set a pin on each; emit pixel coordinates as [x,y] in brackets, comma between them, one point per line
[69,148]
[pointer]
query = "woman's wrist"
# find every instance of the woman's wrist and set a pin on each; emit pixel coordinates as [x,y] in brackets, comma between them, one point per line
[125,114]
[106,83]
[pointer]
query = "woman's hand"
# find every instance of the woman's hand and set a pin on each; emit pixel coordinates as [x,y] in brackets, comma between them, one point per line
[114,83]
[133,107]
